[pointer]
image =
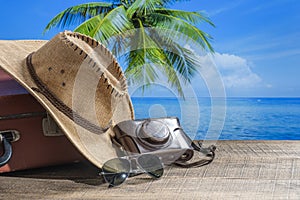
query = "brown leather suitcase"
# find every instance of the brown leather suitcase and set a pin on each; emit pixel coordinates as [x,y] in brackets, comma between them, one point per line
[38,140]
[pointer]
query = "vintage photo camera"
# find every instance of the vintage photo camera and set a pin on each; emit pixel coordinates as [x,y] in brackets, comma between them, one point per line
[162,136]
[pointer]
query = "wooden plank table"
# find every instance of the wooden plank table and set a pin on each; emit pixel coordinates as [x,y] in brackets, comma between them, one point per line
[241,170]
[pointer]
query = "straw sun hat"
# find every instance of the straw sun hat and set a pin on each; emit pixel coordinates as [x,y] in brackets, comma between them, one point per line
[79,83]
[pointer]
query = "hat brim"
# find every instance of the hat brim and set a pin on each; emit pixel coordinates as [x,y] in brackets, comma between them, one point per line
[97,148]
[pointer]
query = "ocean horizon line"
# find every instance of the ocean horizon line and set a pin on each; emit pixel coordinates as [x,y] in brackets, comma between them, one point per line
[228,97]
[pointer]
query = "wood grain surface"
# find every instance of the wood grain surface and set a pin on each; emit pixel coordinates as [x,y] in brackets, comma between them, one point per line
[241,170]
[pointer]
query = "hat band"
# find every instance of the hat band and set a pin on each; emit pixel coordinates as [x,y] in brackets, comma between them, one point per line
[61,106]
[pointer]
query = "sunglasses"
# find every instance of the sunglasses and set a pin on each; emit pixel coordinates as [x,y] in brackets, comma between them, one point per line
[117,170]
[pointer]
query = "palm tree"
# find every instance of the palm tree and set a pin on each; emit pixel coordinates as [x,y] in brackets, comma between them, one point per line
[146,35]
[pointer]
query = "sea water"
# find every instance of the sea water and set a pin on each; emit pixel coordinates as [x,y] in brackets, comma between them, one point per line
[244,119]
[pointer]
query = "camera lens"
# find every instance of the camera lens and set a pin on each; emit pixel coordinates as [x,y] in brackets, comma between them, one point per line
[154,132]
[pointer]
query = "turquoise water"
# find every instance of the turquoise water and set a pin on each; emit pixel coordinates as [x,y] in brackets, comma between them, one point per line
[245,119]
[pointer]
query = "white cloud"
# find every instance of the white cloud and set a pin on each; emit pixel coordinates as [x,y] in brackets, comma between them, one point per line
[218,72]
[235,71]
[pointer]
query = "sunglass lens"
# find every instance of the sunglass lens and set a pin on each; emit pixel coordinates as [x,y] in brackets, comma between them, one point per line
[152,165]
[116,171]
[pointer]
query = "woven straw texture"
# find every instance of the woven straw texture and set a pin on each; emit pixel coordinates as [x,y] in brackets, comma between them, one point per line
[80,84]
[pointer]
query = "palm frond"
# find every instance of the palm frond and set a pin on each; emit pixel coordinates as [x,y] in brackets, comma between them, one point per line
[141,65]
[184,63]
[89,25]
[78,14]
[191,17]
[143,7]
[171,2]
[138,49]
[147,74]
[146,52]
[180,29]
[183,60]
[148,36]
[169,70]
[142,74]
[103,27]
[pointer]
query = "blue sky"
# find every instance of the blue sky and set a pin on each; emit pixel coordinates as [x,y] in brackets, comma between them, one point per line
[257,43]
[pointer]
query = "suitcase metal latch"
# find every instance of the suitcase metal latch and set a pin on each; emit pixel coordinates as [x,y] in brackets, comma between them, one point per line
[50,128]
[6,137]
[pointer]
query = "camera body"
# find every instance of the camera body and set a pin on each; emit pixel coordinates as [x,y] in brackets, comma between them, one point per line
[161,136]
